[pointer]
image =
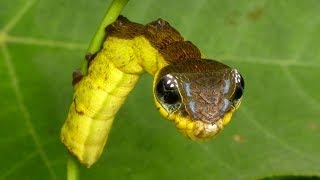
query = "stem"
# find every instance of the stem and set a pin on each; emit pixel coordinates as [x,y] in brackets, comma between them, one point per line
[72,168]
[111,15]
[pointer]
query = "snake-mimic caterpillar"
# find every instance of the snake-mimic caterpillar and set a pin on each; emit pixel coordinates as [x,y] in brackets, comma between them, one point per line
[199,95]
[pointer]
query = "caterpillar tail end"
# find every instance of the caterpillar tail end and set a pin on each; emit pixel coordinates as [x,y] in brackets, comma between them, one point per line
[69,138]
[85,146]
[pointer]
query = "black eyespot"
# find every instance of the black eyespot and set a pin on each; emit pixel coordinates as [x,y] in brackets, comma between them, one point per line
[167,90]
[239,90]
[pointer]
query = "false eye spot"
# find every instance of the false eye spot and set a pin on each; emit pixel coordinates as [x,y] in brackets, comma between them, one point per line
[167,93]
[167,90]
[239,90]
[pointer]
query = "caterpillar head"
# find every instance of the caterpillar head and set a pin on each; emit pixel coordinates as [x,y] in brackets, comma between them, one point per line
[200,96]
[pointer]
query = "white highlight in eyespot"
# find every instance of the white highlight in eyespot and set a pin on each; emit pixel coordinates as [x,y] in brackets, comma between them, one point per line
[169,75]
[236,76]
[169,81]
[171,85]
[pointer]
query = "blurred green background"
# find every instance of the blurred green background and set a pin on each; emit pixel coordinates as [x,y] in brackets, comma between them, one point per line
[273,43]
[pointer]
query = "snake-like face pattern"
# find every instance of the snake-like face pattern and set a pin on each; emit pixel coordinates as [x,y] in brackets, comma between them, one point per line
[200,95]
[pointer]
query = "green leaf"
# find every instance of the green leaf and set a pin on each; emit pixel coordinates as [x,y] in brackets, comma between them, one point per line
[274,44]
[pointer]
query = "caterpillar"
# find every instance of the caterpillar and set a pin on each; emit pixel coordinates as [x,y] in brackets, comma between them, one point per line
[199,95]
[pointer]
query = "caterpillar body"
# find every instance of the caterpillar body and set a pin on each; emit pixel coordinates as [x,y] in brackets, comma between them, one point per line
[199,95]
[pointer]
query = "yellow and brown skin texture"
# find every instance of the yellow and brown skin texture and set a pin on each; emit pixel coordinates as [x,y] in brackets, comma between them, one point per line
[199,95]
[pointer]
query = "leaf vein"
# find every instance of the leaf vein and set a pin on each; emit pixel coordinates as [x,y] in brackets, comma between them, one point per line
[46,42]
[23,109]
[15,19]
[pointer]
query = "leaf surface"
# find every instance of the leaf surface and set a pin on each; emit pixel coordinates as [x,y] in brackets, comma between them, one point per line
[274,44]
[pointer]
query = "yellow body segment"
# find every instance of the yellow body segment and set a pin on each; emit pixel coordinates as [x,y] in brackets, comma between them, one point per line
[98,96]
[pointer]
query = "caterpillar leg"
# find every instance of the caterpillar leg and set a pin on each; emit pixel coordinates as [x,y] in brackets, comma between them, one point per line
[76,77]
